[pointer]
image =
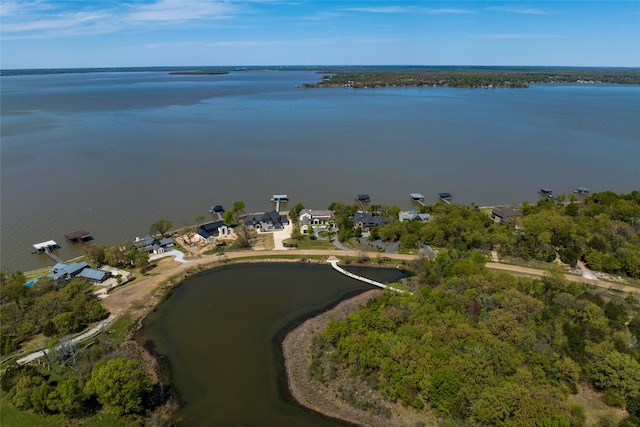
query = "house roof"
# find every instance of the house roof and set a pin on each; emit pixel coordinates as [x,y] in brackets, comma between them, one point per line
[94,274]
[368,220]
[413,216]
[505,213]
[62,269]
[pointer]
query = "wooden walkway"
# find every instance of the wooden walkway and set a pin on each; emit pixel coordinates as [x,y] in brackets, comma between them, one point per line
[334,264]
[53,256]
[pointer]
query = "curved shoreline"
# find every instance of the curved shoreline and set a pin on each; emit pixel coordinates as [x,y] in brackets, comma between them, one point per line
[145,296]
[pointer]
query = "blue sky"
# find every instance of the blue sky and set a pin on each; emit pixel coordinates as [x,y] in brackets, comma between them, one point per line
[104,33]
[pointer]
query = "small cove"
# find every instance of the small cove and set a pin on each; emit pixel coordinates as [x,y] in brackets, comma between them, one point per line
[221,332]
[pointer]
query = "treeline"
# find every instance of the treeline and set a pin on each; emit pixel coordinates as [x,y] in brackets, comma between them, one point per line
[42,308]
[603,230]
[375,77]
[71,382]
[485,348]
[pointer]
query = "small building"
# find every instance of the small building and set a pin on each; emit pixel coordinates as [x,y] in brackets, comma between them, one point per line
[43,247]
[445,196]
[546,191]
[503,216]
[212,230]
[367,221]
[80,236]
[417,197]
[363,198]
[314,217]
[267,221]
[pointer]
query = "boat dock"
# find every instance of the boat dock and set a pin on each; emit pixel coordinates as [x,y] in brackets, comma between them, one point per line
[334,264]
[362,199]
[445,197]
[418,198]
[47,249]
[547,192]
[80,236]
[279,198]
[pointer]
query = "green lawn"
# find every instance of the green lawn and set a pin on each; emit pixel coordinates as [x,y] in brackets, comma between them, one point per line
[307,243]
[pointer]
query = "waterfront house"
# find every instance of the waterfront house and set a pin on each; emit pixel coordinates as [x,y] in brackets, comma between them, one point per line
[212,230]
[367,221]
[503,216]
[62,273]
[314,217]
[152,245]
[413,216]
[267,221]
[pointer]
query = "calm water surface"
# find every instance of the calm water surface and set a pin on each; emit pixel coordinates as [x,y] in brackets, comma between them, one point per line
[114,152]
[220,331]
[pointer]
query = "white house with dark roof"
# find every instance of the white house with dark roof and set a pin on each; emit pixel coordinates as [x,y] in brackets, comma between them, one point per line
[267,221]
[212,230]
[314,217]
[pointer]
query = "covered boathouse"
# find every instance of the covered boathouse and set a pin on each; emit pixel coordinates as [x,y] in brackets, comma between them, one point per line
[80,236]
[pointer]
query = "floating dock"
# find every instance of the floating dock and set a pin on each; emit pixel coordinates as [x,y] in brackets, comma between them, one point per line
[279,198]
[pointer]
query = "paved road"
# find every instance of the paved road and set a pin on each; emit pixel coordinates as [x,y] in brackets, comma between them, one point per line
[89,333]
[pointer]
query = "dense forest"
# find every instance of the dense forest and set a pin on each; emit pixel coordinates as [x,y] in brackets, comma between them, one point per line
[483,348]
[473,77]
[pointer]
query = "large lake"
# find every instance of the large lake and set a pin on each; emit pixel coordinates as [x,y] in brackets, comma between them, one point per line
[114,152]
[221,332]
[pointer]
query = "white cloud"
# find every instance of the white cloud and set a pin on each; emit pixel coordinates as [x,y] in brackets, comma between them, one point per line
[516,36]
[519,10]
[408,9]
[48,18]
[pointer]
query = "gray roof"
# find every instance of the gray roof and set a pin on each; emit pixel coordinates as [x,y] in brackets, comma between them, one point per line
[95,274]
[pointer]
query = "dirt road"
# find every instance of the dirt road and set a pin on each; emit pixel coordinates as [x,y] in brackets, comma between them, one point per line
[142,293]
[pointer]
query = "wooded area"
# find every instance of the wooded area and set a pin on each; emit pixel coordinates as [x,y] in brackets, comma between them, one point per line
[485,348]
[473,77]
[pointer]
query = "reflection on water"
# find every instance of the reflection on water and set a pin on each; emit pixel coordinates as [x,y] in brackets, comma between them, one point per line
[219,332]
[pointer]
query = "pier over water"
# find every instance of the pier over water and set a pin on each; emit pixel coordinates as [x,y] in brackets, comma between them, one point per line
[334,264]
